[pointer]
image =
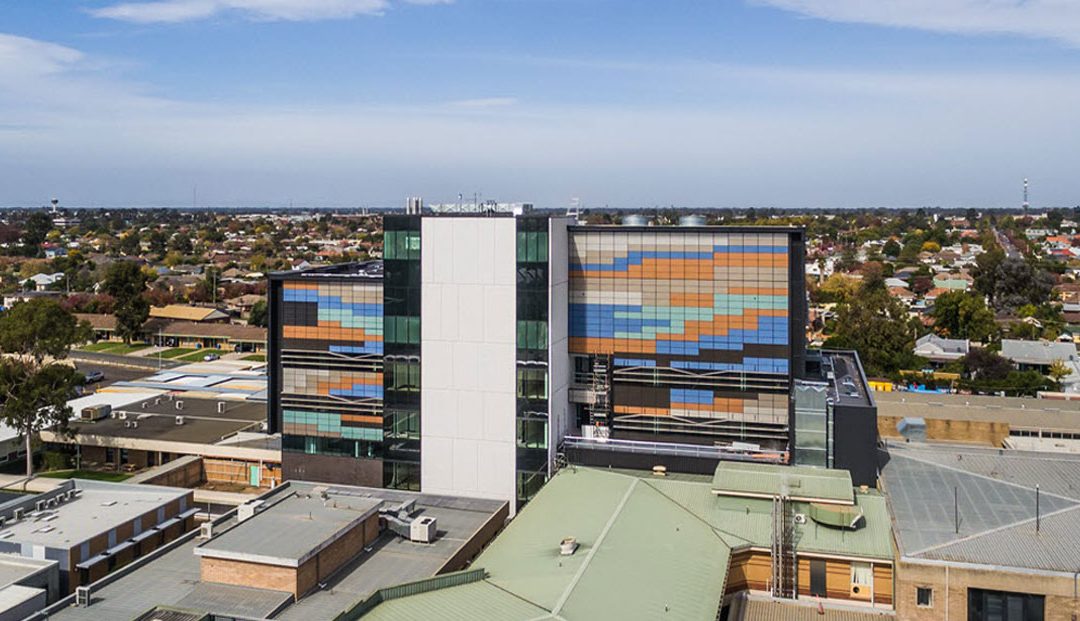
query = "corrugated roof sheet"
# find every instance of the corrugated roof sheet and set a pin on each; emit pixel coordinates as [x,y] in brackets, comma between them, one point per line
[763,609]
[650,548]
[996,502]
[740,478]
[479,601]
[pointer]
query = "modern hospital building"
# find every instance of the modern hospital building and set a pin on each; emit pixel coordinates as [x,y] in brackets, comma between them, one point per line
[484,350]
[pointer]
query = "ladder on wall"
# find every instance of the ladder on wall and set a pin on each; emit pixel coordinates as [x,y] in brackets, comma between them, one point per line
[600,408]
[782,580]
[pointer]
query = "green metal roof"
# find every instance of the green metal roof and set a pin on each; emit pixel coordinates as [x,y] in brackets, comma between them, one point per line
[479,601]
[650,548]
[795,482]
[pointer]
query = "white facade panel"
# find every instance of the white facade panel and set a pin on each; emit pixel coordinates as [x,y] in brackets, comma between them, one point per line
[468,332]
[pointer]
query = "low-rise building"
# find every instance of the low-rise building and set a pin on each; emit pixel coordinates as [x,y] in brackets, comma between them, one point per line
[984,534]
[91,528]
[300,552]
[941,350]
[604,544]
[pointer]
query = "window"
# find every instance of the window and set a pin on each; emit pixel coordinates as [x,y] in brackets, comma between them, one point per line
[986,605]
[924,596]
[862,574]
[531,383]
[817,578]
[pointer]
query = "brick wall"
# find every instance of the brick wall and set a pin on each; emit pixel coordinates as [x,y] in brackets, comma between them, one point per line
[257,575]
[1060,604]
[942,430]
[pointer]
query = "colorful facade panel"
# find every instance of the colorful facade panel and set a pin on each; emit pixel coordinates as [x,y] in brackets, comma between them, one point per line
[349,316]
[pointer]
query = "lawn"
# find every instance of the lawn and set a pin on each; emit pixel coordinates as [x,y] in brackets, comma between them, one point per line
[101,346]
[255,358]
[127,349]
[176,352]
[93,475]
[198,355]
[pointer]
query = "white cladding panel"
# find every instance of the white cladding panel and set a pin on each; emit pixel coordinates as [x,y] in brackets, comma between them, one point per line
[468,339]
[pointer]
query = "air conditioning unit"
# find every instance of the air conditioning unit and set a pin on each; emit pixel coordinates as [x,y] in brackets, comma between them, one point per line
[179,420]
[422,530]
[39,505]
[179,404]
[206,530]
[134,424]
[123,415]
[95,412]
[17,514]
[82,596]
[220,407]
[800,518]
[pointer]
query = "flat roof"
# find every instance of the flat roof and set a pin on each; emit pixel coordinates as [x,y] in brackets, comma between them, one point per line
[154,418]
[1017,412]
[14,568]
[97,508]
[372,270]
[972,505]
[753,607]
[795,482]
[292,528]
[171,578]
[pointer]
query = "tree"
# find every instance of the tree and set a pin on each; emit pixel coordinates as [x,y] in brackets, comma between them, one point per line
[877,326]
[891,248]
[37,228]
[959,314]
[125,281]
[34,384]
[1017,283]
[259,315]
[1059,371]
[837,288]
[983,364]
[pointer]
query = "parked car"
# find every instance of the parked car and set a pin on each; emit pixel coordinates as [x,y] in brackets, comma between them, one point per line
[94,376]
[210,357]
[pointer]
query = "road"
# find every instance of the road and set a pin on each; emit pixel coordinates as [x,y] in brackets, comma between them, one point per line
[1010,250]
[144,366]
[112,373]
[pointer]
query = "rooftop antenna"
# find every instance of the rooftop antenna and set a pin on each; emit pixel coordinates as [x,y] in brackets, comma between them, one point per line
[1026,203]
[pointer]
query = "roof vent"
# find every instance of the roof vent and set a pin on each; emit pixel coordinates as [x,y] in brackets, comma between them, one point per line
[179,420]
[660,471]
[568,546]
[82,596]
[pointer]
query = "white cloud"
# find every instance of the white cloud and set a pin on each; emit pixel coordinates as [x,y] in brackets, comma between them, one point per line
[1043,19]
[171,11]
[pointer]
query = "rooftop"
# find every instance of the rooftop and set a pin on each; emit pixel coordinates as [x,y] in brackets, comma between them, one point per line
[361,269]
[187,313]
[796,482]
[977,506]
[154,417]
[96,508]
[294,527]
[171,579]
[761,608]
[1018,412]
[621,522]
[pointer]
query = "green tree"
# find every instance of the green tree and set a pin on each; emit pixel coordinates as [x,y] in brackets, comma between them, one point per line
[959,314]
[259,315]
[35,384]
[35,231]
[1059,371]
[877,326]
[1017,282]
[126,281]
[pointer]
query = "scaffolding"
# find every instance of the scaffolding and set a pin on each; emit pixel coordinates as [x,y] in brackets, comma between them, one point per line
[782,580]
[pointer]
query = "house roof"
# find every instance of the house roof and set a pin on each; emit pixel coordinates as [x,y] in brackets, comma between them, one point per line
[1037,352]
[187,313]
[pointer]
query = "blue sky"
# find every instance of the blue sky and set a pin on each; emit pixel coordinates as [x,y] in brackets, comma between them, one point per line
[630,103]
